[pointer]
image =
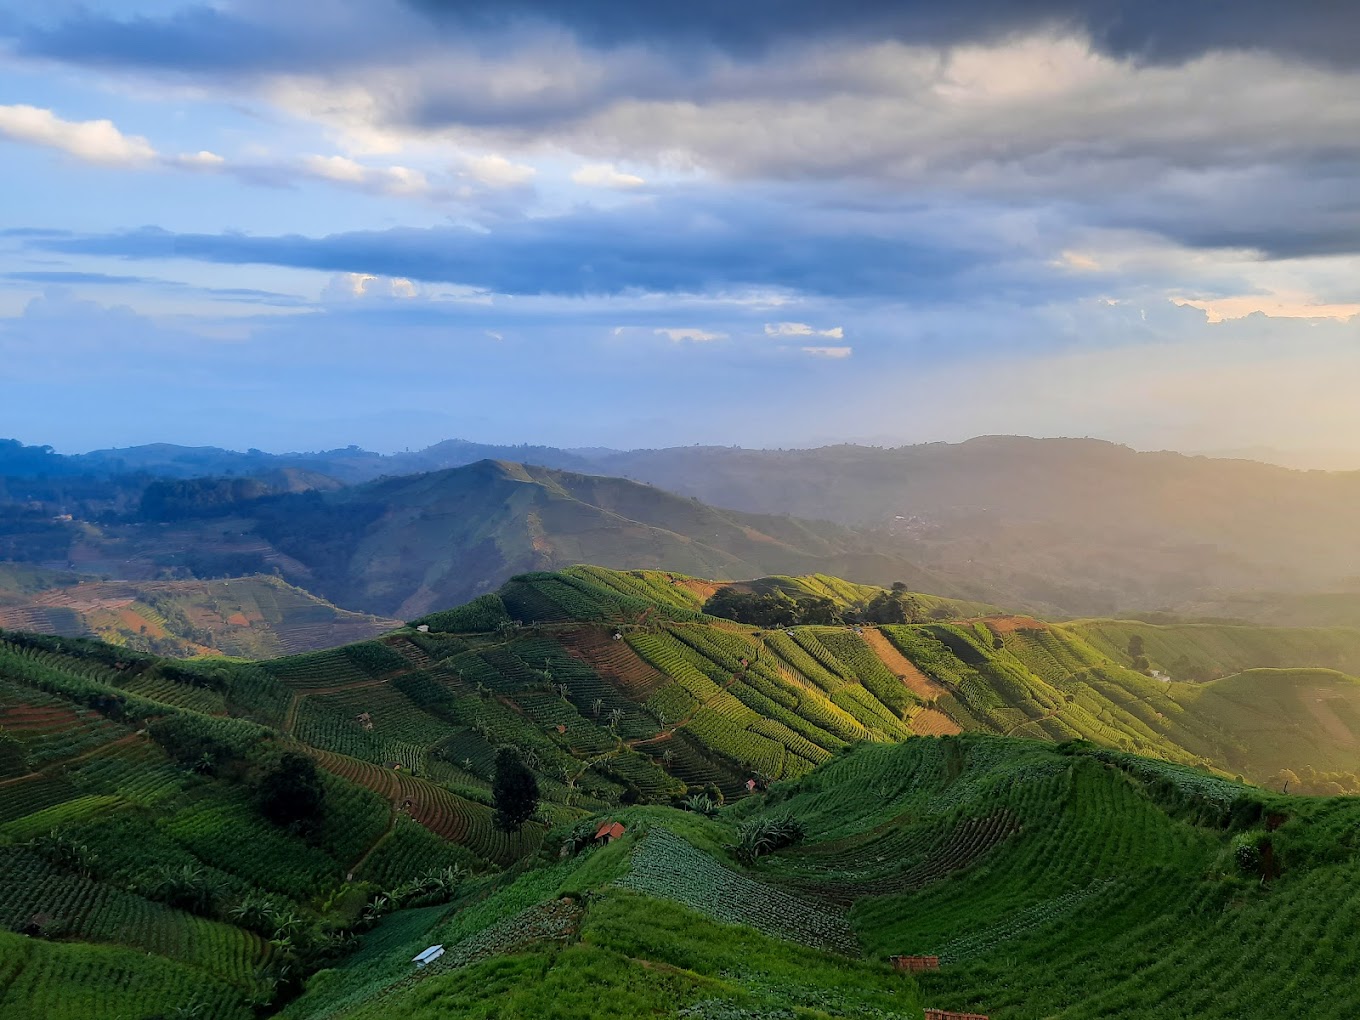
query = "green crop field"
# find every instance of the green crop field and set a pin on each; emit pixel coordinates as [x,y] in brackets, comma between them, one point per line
[1093,830]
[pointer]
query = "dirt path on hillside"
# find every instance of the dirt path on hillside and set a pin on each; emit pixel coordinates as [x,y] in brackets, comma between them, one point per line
[63,763]
[917,682]
[391,824]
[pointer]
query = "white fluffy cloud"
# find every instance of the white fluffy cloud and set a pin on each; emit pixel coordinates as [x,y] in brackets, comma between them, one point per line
[604,175]
[498,172]
[698,336]
[92,141]
[389,180]
[802,329]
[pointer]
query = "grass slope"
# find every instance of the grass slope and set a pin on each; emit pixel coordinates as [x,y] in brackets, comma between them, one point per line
[1059,882]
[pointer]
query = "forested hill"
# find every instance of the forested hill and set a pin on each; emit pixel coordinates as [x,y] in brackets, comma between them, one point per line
[220,831]
[405,545]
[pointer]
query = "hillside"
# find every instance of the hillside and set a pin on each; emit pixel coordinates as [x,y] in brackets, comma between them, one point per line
[1205,651]
[133,822]
[1076,526]
[257,617]
[405,545]
[1069,882]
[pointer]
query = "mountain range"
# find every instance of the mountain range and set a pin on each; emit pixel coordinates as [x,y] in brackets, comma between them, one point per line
[1055,526]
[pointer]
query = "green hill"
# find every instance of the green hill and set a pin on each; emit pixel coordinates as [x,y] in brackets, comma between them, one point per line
[1203,651]
[411,544]
[439,539]
[1050,882]
[135,818]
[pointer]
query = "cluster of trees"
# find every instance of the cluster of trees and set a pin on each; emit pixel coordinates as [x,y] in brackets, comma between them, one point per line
[772,608]
[176,499]
[291,794]
[776,608]
[1138,654]
[514,790]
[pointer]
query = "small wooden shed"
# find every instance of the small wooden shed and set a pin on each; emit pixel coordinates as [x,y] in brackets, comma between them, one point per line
[608,832]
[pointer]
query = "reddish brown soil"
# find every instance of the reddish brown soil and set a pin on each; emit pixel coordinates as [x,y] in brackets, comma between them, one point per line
[917,682]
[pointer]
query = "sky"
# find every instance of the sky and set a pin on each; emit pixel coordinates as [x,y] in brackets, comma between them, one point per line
[605,223]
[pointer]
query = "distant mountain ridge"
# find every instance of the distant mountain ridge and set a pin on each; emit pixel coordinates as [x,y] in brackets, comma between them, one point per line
[1058,526]
[408,544]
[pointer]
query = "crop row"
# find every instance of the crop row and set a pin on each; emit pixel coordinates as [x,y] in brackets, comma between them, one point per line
[198,699]
[849,648]
[667,866]
[31,795]
[232,837]
[316,669]
[729,739]
[73,981]
[616,661]
[95,912]
[411,850]
[675,659]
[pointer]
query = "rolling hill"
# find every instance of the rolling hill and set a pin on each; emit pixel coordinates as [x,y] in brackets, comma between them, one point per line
[405,545]
[1071,883]
[135,840]
[1065,525]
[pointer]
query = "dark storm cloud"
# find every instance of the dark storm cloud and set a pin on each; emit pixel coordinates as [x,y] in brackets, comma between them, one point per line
[208,39]
[685,248]
[1158,31]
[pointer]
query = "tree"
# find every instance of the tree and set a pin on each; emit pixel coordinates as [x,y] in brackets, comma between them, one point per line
[514,791]
[291,793]
[1138,654]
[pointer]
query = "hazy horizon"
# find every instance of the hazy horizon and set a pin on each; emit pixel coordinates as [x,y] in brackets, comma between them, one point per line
[1303,460]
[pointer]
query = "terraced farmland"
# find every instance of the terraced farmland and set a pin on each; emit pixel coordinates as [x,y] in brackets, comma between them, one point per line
[131,809]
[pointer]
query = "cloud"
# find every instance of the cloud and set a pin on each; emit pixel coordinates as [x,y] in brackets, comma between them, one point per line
[390,180]
[801,329]
[698,336]
[101,142]
[255,37]
[92,141]
[201,160]
[359,286]
[603,175]
[1216,131]
[498,172]
[829,352]
[686,244]
[1275,306]
[74,278]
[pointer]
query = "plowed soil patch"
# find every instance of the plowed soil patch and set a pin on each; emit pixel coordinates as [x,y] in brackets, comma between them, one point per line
[930,722]
[37,717]
[704,589]
[615,662]
[917,682]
